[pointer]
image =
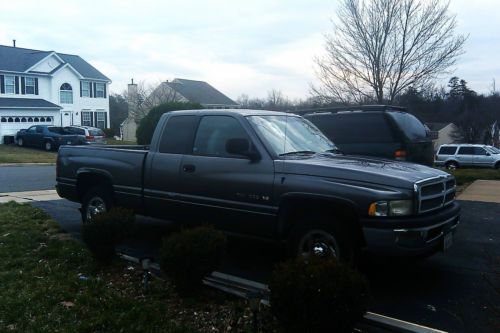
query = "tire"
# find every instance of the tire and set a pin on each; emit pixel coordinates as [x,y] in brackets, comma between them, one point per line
[20,142]
[48,146]
[96,200]
[497,165]
[451,165]
[322,237]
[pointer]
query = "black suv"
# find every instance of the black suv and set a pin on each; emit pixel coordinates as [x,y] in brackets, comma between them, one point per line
[375,130]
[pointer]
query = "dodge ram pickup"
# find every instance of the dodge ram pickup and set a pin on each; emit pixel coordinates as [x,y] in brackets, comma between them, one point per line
[270,175]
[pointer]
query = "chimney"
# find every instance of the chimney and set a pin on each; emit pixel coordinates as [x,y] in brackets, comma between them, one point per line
[14,43]
[132,99]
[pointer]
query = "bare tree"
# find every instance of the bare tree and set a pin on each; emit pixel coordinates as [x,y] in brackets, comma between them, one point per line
[379,48]
[149,96]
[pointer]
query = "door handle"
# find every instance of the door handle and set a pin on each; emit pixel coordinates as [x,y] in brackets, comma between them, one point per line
[188,168]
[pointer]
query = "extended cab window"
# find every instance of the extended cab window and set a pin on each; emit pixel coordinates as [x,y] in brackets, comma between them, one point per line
[213,133]
[177,135]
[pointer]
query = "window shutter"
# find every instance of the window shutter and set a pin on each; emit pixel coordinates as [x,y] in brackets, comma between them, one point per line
[16,81]
[94,89]
[36,86]
[104,84]
[2,84]
[80,88]
[23,86]
[105,120]
[91,90]
[81,116]
[95,119]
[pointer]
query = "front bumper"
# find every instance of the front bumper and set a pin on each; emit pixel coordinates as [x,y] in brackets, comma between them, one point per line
[411,236]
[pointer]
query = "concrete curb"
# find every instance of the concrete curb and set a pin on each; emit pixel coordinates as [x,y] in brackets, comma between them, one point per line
[24,164]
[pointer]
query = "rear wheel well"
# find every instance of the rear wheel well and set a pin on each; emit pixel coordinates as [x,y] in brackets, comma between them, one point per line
[293,211]
[86,181]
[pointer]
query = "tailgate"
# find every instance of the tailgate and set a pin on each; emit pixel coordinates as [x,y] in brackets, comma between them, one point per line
[71,140]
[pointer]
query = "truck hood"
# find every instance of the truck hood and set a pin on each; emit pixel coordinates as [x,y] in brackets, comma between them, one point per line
[361,169]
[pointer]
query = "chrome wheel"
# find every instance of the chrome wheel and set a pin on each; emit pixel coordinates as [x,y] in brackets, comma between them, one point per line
[95,206]
[451,166]
[20,142]
[48,146]
[318,243]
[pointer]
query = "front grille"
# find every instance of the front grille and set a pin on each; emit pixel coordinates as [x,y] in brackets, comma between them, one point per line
[435,193]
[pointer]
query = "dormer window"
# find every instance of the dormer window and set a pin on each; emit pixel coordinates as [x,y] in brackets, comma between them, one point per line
[66,94]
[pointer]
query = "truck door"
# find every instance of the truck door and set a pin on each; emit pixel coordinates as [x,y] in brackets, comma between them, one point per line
[229,191]
[162,169]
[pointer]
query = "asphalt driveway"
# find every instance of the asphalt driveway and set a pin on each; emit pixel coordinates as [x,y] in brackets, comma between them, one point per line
[27,178]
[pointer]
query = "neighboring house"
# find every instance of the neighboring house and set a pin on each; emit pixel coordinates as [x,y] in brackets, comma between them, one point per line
[49,88]
[180,90]
[442,133]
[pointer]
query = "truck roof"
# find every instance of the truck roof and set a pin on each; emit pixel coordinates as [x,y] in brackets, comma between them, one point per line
[243,112]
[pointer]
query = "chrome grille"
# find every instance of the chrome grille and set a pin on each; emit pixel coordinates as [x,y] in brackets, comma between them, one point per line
[435,193]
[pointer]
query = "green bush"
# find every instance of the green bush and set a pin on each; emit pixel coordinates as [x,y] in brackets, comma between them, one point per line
[147,124]
[109,132]
[318,296]
[105,231]
[189,255]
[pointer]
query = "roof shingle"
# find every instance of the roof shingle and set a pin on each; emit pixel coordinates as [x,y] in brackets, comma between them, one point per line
[200,92]
[36,103]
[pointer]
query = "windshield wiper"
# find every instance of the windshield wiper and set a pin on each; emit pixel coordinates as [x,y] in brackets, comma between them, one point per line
[333,151]
[299,152]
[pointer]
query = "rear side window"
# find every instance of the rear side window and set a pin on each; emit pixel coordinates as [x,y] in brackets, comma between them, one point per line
[447,150]
[410,125]
[58,130]
[354,127]
[479,151]
[178,134]
[466,151]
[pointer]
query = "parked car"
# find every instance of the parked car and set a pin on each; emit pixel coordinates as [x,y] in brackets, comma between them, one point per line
[47,137]
[493,150]
[93,135]
[375,130]
[453,156]
[270,175]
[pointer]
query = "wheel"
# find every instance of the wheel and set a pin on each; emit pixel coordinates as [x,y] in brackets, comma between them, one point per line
[48,146]
[322,237]
[451,165]
[20,142]
[97,200]
[497,166]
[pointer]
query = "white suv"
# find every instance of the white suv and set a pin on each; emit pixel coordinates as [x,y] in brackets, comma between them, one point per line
[93,135]
[453,156]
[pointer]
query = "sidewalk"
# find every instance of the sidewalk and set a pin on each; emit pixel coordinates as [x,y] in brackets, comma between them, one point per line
[482,190]
[29,196]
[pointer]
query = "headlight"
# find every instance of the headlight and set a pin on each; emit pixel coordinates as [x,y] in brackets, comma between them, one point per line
[391,208]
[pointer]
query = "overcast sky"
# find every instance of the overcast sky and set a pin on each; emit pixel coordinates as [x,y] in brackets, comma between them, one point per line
[238,46]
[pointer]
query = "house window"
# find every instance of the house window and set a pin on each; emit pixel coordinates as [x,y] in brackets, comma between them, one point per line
[85,89]
[99,90]
[66,94]
[10,84]
[101,120]
[86,118]
[29,85]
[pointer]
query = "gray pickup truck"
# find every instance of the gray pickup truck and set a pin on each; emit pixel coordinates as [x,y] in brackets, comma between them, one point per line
[269,175]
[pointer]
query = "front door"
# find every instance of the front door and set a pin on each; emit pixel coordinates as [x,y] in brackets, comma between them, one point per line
[229,191]
[482,158]
[66,118]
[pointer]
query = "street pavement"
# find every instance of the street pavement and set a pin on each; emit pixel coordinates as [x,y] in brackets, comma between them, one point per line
[27,178]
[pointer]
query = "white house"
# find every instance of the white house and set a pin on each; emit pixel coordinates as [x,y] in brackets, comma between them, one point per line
[50,88]
[442,133]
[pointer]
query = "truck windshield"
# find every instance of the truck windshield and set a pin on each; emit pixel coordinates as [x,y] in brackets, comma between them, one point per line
[287,135]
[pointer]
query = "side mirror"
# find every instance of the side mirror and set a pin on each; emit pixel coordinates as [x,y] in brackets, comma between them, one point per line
[488,154]
[241,146]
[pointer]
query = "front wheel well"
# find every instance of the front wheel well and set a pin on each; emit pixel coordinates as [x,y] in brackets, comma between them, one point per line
[293,211]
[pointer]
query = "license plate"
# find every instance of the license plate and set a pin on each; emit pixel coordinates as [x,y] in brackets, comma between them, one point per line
[447,241]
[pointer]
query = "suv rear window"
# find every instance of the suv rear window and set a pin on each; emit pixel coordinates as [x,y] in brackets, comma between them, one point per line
[96,132]
[466,151]
[410,125]
[354,127]
[447,150]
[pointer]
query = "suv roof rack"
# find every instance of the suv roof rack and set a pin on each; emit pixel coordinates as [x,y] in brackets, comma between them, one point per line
[353,108]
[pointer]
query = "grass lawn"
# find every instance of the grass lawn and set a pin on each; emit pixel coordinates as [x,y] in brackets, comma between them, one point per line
[15,154]
[50,283]
[464,176]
